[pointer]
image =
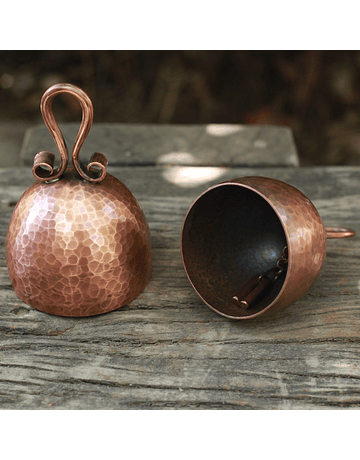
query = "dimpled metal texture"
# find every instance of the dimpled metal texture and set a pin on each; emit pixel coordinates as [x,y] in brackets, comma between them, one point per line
[76,248]
[237,229]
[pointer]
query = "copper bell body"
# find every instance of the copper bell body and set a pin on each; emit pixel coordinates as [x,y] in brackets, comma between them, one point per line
[78,243]
[253,246]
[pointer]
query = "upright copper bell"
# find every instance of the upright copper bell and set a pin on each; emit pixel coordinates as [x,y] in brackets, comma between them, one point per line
[78,243]
[253,246]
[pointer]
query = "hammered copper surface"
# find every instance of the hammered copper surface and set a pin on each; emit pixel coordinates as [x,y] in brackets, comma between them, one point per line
[238,229]
[77,247]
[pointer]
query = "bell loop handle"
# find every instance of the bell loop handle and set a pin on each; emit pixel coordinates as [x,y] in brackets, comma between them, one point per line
[43,168]
[336,232]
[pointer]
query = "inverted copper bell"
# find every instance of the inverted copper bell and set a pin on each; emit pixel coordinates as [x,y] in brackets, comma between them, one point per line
[253,246]
[78,243]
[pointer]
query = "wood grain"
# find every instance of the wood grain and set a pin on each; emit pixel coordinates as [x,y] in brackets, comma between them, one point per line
[137,144]
[167,349]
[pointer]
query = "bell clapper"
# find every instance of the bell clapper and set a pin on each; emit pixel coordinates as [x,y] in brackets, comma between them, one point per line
[250,292]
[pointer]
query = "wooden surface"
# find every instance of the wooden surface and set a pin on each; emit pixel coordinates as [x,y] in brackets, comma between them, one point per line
[135,144]
[11,141]
[167,349]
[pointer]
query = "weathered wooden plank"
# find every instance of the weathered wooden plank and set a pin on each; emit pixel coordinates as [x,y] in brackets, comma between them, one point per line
[79,376]
[167,350]
[122,143]
[188,181]
[11,141]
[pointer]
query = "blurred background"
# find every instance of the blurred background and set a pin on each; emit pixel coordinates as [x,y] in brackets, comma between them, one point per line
[316,93]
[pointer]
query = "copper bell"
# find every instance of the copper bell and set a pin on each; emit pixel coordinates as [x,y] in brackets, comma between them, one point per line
[78,243]
[253,246]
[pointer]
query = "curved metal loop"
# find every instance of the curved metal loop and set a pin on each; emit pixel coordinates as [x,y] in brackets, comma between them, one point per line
[335,232]
[44,161]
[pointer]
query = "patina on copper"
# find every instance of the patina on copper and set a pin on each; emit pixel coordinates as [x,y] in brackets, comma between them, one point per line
[237,230]
[78,243]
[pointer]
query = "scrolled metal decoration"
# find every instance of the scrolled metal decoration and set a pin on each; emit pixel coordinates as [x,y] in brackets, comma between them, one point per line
[78,243]
[43,168]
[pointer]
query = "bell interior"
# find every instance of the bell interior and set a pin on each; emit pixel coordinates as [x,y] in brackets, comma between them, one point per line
[231,234]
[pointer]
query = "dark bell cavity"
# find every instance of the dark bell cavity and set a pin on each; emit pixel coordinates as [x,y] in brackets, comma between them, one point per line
[232,235]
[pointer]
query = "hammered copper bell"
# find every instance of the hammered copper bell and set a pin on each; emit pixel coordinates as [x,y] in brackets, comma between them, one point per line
[253,246]
[78,242]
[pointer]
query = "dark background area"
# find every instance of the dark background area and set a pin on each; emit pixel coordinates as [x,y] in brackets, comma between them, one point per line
[316,93]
